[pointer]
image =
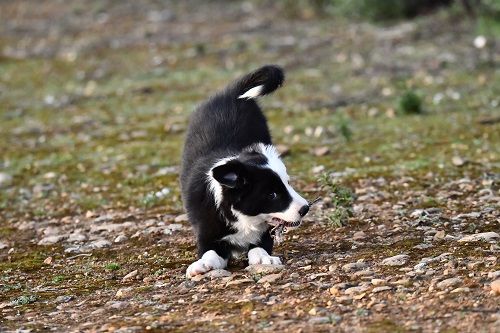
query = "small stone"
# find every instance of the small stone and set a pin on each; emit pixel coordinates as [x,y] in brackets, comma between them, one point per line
[48,261]
[64,299]
[270,278]
[49,240]
[359,235]
[363,273]
[378,282]
[238,282]
[319,320]
[440,234]
[3,245]
[494,275]
[99,244]
[118,305]
[355,266]
[344,299]
[356,290]
[321,151]
[318,169]
[334,291]
[76,237]
[283,150]
[495,287]
[484,236]
[264,269]
[120,238]
[398,260]
[130,276]
[448,283]
[5,179]
[380,289]
[218,273]
[460,290]
[458,161]
[124,292]
[181,218]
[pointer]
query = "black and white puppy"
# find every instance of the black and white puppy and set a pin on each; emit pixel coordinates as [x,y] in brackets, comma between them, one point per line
[233,180]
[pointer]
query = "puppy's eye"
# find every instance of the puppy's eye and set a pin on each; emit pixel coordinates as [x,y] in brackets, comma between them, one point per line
[272,195]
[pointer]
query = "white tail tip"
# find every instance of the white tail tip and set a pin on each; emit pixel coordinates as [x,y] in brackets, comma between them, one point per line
[252,93]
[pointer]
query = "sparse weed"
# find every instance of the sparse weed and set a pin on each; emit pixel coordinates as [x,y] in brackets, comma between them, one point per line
[113,266]
[410,103]
[25,299]
[342,200]
[58,279]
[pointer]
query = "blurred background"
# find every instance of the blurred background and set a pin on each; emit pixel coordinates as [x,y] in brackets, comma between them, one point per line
[95,95]
[390,112]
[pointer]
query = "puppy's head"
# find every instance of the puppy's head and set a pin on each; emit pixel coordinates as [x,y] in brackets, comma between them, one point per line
[255,183]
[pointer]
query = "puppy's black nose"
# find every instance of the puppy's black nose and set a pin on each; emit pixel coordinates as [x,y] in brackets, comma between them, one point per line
[303,210]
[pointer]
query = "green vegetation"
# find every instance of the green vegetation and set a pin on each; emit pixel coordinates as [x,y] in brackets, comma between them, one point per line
[410,103]
[25,299]
[113,267]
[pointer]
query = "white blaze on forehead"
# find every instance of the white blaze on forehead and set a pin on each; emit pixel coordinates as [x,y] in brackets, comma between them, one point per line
[275,163]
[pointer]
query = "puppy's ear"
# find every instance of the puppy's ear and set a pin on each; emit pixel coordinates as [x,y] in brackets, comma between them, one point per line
[231,174]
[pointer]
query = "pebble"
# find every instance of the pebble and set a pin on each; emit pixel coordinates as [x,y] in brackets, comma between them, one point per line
[378,282]
[495,287]
[238,282]
[117,305]
[218,273]
[460,290]
[356,290]
[3,245]
[130,276]
[380,289]
[270,278]
[344,299]
[484,236]
[264,269]
[124,292]
[359,235]
[355,266]
[5,179]
[451,282]
[440,234]
[64,299]
[48,261]
[319,320]
[49,240]
[398,260]
[493,275]
[181,218]
[76,237]
[120,238]
[321,151]
[99,244]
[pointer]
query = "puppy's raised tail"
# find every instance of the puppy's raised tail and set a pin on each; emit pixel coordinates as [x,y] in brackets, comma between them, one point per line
[258,83]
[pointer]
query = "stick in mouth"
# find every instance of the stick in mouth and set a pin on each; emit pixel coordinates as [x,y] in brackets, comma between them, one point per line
[281,226]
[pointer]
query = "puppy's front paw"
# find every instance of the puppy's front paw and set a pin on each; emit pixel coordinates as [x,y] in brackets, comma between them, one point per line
[209,261]
[258,255]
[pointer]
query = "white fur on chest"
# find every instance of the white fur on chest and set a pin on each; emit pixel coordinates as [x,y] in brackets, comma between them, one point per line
[249,230]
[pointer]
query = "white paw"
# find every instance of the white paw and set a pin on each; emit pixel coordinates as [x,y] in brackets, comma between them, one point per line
[209,261]
[258,255]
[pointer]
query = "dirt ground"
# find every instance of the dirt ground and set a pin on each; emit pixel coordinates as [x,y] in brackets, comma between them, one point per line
[94,100]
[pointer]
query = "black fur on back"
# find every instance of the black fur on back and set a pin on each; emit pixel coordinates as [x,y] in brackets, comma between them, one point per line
[221,127]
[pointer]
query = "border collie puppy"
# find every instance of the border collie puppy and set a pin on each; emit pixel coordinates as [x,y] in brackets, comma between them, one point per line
[233,181]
